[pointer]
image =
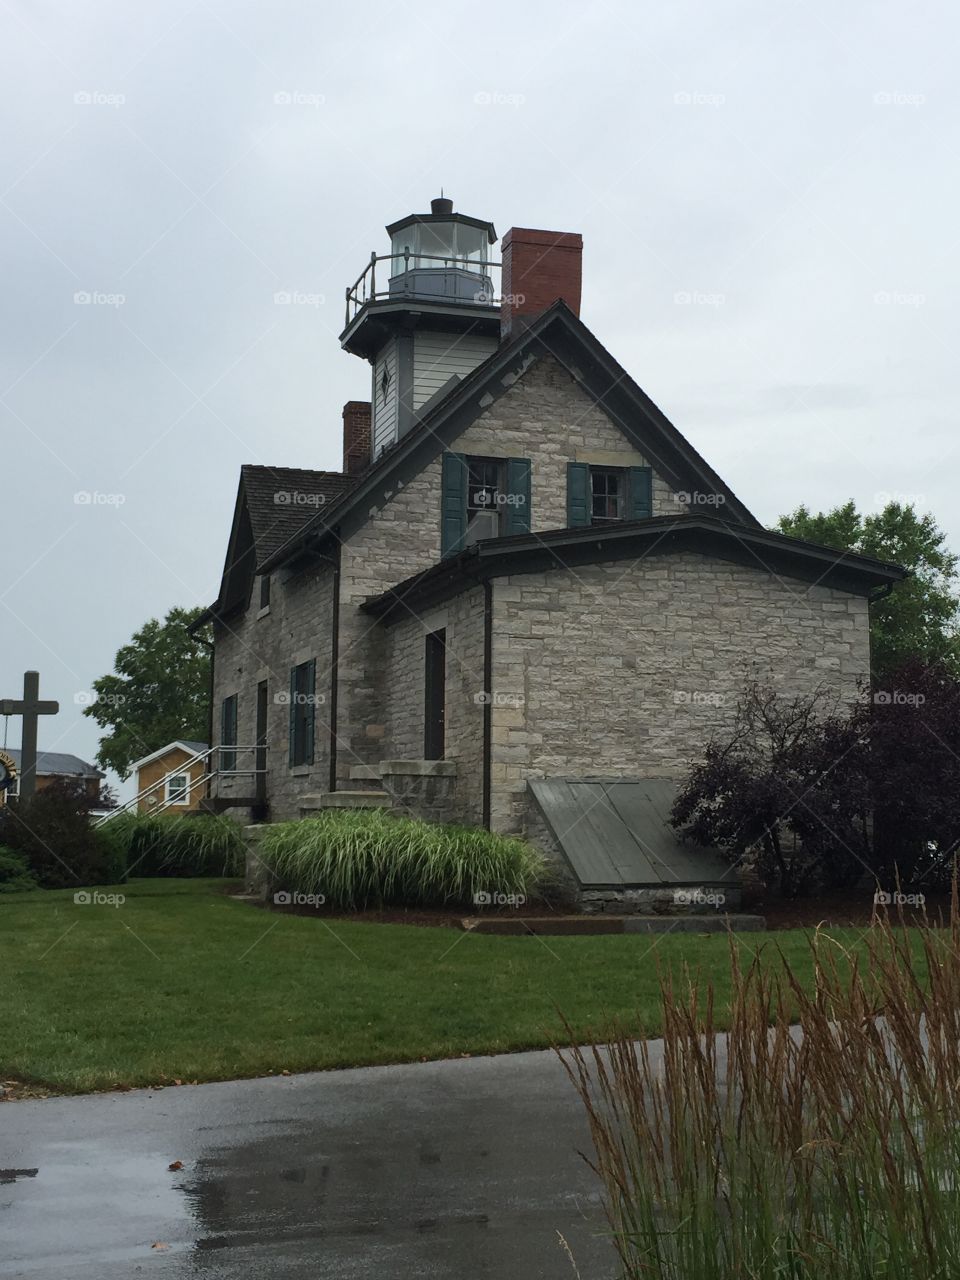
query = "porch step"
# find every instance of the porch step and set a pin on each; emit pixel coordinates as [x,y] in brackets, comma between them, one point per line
[367,776]
[345,800]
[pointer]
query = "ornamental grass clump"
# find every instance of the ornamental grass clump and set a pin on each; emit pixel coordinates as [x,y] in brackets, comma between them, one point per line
[370,859]
[171,844]
[819,1139]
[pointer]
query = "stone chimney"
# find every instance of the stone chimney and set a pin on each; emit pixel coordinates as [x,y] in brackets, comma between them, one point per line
[357,440]
[538,268]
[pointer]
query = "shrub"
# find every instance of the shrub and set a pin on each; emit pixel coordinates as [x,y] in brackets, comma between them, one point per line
[15,873]
[166,844]
[825,1152]
[357,860]
[54,832]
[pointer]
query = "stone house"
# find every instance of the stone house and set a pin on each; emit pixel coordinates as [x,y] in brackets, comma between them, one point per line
[525,596]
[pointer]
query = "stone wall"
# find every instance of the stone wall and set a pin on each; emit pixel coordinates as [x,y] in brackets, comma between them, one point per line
[264,645]
[403,694]
[628,668]
[543,415]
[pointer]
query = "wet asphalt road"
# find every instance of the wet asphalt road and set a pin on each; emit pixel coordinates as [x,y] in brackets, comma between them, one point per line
[467,1168]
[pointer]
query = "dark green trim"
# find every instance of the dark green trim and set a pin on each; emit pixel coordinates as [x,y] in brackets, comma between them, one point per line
[578,495]
[453,503]
[517,510]
[640,493]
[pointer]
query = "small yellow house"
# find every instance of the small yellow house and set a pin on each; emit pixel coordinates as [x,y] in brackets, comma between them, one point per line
[172,778]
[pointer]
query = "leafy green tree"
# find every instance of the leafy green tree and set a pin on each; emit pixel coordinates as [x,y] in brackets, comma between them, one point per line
[159,691]
[920,618]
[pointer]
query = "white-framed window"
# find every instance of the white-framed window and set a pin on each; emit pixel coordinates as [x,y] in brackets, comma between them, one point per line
[177,788]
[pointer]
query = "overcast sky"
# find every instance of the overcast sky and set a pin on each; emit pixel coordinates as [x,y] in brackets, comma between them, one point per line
[767,193]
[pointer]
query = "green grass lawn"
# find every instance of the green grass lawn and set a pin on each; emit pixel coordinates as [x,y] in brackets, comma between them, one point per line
[181,982]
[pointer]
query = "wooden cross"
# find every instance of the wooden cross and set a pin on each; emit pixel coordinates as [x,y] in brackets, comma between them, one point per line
[29,707]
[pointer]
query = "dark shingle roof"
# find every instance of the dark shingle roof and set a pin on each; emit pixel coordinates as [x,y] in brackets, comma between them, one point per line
[282,500]
[53,762]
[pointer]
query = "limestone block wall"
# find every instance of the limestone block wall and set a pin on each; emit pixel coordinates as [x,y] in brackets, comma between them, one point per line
[542,414]
[264,645]
[628,668]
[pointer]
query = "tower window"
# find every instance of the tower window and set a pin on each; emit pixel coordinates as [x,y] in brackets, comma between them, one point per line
[384,384]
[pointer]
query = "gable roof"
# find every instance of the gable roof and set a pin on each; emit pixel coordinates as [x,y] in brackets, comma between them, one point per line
[273,505]
[281,500]
[57,764]
[558,333]
[633,539]
[191,748]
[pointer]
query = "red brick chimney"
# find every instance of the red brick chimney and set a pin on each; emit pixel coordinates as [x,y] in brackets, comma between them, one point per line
[357,441]
[538,268]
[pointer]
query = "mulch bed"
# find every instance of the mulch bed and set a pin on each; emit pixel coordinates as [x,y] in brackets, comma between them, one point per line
[847,909]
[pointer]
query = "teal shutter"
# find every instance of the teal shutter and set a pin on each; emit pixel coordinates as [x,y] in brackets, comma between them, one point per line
[641,493]
[453,504]
[293,714]
[578,494]
[310,711]
[517,518]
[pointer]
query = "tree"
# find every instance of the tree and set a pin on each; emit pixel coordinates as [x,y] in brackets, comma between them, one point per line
[783,792]
[920,619]
[159,692]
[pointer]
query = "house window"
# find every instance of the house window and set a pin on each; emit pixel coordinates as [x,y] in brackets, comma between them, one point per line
[302,712]
[265,591]
[178,788]
[485,499]
[228,733]
[435,687]
[607,488]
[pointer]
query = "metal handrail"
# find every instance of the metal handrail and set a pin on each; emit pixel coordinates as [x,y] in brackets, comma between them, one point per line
[359,293]
[198,757]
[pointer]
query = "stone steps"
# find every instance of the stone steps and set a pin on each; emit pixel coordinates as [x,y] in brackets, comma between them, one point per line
[322,800]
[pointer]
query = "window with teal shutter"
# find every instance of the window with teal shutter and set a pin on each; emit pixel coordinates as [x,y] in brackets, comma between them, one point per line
[641,493]
[516,518]
[228,733]
[578,494]
[453,503]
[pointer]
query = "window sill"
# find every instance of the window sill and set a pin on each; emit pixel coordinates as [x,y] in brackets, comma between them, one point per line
[262,613]
[301,770]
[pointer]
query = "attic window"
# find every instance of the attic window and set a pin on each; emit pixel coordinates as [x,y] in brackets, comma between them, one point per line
[384,384]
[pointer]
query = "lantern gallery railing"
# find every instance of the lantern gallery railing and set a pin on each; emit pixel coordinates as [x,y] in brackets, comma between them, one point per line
[421,275]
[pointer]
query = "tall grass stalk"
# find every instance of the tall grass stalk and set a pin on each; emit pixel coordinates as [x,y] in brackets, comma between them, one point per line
[364,859]
[819,1139]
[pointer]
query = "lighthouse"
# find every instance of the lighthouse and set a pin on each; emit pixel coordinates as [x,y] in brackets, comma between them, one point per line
[423,315]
